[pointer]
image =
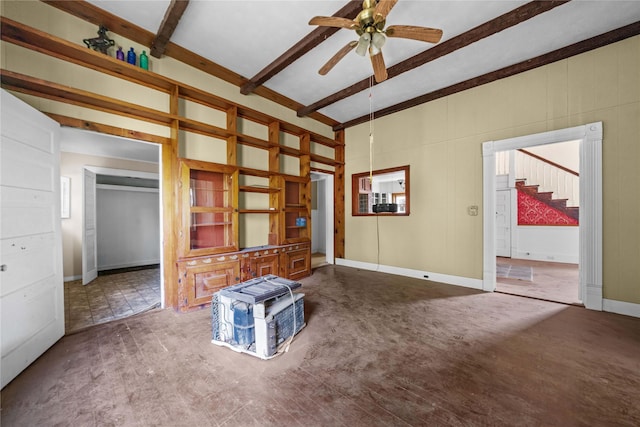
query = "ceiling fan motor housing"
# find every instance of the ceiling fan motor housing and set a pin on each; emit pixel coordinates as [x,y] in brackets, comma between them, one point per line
[367,20]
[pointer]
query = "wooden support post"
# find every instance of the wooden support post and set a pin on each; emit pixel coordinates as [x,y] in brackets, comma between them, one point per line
[232,141]
[276,223]
[338,188]
[170,205]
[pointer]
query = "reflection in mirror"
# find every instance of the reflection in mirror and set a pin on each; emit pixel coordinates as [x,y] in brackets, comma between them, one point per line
[387,193]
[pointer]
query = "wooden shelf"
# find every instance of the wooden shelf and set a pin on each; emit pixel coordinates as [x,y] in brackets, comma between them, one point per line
[256,211]
[210,224]
[206,209]
[256,189]
[31,38]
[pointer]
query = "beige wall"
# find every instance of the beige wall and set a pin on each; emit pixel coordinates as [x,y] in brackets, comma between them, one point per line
[441,140]
[72,166]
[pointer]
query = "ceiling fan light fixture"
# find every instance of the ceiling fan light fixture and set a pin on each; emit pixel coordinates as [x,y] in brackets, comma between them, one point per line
[378,40]
[363,44]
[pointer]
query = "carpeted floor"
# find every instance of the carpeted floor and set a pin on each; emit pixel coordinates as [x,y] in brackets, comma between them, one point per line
[378,350]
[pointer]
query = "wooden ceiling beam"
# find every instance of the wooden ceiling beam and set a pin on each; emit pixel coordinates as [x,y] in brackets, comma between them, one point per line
[313,39]
[592,43]
[502,22]
[167,27]
[90,13]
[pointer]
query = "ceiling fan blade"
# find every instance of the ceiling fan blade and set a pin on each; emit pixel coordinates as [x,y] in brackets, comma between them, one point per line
[337,57]
[431,35]
[382,9]
[379,68]
[333,21]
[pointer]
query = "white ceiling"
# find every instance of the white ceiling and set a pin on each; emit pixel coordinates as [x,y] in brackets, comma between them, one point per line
[246,36]
[103,145]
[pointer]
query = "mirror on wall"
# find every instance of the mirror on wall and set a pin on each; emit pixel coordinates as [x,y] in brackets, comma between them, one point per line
[380,192]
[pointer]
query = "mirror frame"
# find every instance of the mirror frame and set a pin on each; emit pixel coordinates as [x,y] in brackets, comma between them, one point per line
[355,178]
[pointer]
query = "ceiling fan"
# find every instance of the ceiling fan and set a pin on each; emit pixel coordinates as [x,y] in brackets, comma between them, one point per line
[369,24]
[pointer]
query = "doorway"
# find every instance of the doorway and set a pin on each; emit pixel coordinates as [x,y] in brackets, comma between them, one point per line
[127,223]
[537,211]
[321,219]
[590,229]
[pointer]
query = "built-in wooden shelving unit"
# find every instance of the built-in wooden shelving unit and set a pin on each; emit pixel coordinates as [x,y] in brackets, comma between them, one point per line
[190,274]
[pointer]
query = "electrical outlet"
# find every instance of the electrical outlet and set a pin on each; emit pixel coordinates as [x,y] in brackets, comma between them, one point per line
[472,210]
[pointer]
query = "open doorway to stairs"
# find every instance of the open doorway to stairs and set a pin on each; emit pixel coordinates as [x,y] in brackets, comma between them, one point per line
[321,219]
[537,222]
[590,217]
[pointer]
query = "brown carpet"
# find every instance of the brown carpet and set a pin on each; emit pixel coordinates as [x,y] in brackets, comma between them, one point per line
[377,350]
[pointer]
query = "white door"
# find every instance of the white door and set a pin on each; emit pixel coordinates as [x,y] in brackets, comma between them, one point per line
[31,278]
[503,223]
[89,239]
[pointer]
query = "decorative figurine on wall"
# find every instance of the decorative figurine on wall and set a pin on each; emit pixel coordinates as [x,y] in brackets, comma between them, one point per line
[100,43]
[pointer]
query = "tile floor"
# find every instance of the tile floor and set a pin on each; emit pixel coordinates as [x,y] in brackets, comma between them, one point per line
[113,295]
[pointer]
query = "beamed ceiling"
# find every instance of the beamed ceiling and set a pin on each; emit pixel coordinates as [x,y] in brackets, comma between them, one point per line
[267,48]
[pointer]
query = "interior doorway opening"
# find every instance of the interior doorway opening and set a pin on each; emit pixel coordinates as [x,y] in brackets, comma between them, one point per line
[322,249]
[537,222]
[590,217]
[125,210]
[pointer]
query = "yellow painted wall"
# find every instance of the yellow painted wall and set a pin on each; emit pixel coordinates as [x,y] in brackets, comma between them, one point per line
[441,141]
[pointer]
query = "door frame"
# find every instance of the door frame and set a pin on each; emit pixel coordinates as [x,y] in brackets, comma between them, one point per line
[590,258]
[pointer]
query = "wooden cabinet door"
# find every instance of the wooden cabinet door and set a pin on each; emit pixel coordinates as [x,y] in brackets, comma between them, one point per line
[261,265]
[296,262]
[199,282]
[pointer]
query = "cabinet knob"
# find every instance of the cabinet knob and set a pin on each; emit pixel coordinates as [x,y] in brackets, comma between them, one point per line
[3,267]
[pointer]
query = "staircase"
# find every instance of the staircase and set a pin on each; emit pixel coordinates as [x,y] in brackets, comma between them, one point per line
[546,197]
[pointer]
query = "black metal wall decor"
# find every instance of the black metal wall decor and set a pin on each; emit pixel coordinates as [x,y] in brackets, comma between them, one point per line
[100,43]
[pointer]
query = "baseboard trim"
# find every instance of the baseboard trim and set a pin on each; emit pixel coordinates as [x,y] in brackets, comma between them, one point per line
[416,274]
[128,265]
[72,278]
[621,307]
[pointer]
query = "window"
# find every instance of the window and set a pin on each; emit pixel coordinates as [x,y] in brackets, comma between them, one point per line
[386,194]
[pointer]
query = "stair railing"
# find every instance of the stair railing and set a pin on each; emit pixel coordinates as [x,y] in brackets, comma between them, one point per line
[549,176]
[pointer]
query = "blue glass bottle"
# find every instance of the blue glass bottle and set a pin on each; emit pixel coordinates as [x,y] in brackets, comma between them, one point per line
[131,57]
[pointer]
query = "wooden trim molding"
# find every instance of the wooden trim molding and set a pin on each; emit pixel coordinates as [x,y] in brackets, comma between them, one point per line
[107,129]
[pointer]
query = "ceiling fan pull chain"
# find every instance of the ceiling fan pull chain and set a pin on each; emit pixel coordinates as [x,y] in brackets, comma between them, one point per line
[371,130]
